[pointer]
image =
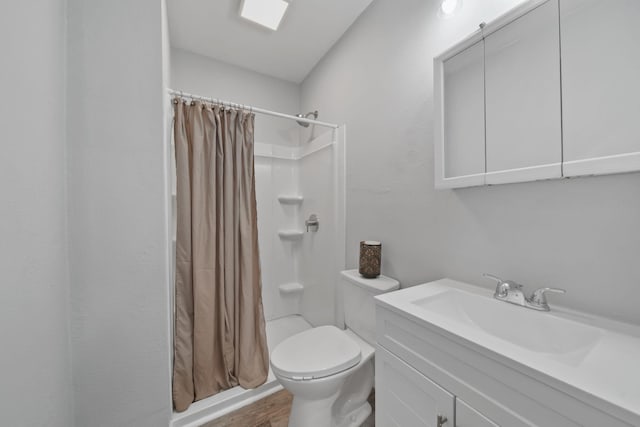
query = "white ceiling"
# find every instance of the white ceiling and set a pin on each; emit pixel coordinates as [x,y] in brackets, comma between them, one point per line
[308,30]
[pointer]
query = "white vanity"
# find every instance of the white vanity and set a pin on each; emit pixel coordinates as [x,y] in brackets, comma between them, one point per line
[449,354]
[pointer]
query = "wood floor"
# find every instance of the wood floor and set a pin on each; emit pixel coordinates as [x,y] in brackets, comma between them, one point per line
[272,411]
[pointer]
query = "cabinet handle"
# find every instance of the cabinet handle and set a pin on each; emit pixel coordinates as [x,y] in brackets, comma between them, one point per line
[441,420]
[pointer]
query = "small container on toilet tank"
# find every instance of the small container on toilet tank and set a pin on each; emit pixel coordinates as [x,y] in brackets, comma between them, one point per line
[370,258]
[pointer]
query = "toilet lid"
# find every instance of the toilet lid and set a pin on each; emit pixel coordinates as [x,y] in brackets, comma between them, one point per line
[315,353]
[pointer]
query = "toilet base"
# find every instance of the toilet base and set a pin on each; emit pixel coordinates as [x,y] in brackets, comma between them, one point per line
[311,413]
[336,401]
[355,418]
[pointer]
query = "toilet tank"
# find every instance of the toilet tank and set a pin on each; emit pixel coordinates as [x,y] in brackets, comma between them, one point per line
[358,303]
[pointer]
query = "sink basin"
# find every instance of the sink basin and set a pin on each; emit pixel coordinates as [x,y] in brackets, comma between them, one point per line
[536,331]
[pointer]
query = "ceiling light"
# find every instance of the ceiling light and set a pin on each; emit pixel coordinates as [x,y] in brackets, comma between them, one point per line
[267,13]
[449,7]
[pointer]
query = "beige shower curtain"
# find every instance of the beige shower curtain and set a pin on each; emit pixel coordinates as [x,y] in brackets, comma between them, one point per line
[219,339]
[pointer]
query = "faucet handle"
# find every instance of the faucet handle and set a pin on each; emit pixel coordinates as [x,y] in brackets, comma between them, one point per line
[539,298]
[492,277]
[510,283]
[313,221]
[504,286]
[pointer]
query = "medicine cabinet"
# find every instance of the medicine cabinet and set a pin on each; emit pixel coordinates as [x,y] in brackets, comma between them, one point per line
[548,90]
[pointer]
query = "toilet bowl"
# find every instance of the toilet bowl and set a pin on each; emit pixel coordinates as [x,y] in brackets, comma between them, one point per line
[328,370]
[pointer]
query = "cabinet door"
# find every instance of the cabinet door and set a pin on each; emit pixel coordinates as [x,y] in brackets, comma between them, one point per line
[466,416]
[461,119]
[404,397]
[600,86]
[523,98]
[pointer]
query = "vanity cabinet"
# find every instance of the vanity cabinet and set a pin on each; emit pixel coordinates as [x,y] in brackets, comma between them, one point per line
[406,397]
[522,66]
[466,416]
[600,86]
[423,371]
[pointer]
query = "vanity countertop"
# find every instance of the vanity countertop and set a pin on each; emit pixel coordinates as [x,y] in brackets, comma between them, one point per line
[596,356]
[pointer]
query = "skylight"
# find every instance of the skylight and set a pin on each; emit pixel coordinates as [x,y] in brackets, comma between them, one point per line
[267,13]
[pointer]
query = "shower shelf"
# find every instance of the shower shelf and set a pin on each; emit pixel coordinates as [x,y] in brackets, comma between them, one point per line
[290,199]
[290,234]
[291,288]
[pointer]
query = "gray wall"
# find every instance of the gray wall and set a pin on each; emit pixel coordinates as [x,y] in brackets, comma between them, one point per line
[118,214]
[34,290]
[208,77]
[580,234]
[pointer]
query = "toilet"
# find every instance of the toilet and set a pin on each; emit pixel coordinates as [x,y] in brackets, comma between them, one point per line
[328,370]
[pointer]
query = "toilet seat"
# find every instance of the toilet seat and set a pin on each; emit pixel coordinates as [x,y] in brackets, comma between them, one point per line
[315,353]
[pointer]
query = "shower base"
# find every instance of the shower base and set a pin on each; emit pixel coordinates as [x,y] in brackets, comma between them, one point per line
[229,400]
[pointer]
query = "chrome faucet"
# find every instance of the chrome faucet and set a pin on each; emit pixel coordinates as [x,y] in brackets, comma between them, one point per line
[507,290]
[511,292]
[538,300]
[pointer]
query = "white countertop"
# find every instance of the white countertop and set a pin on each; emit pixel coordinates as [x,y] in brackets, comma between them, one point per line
[608,370]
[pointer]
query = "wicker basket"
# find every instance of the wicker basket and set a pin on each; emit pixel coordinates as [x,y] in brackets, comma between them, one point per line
[370,258]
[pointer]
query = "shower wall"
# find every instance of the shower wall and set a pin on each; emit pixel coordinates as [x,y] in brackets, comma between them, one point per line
[279,258]
[322,257]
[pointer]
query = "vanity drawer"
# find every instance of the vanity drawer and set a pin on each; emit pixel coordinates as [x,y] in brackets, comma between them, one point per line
[507,393]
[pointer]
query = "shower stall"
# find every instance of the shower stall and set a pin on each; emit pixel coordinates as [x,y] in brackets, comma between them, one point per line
[300,191]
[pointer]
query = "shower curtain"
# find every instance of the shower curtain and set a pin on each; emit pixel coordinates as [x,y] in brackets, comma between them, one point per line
[219,339]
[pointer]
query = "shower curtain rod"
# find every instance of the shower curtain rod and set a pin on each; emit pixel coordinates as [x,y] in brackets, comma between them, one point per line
[254,109]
